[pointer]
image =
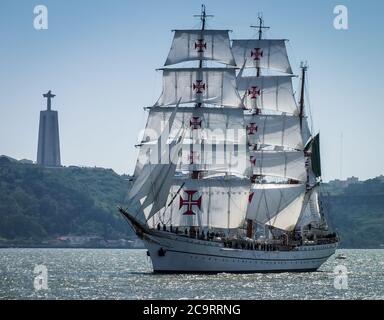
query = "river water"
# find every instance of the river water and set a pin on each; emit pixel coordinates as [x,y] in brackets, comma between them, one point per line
[127,274]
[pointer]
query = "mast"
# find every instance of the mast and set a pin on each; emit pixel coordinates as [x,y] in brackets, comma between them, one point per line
[203,16]
[271,54]
[304,68]
[260,27]
[260,31]
[250,231]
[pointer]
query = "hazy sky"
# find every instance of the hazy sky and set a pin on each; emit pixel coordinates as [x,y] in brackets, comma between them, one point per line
[100,57]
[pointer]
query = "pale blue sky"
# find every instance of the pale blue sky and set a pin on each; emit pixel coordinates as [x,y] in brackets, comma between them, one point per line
[100,57]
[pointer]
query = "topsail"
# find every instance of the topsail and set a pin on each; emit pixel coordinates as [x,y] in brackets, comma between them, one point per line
[276,130]
[200,85]
[268,93]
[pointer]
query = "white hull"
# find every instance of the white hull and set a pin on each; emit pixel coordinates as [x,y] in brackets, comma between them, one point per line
[184,254]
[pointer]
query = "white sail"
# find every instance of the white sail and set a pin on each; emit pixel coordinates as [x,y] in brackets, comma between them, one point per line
[311,210]
[283,164]
[152,181]
[277,130]
[268,93]
[312,179]
[214,138]
[189,45]
[268,200]
[207,123]
[155,189]
[211,203]
[288,217]
[226,158]
[269,54]
[204,85]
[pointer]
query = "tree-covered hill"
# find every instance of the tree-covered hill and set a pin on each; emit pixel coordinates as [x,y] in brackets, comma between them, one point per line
[357,213]
[40,204]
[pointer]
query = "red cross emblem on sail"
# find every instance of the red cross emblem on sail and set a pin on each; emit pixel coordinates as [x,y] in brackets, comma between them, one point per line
[257,54]
[193,156]
[254,92]
[200,45]
[252,128]
[199,86]
[190,202]
[252,159]
[195,123]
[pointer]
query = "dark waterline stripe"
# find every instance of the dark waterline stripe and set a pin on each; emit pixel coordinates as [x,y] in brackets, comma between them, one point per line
[214,255]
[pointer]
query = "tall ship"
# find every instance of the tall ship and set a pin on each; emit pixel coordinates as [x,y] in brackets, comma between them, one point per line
[228,174]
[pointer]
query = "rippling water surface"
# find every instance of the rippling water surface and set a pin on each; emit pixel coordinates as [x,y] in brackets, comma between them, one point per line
[127,274]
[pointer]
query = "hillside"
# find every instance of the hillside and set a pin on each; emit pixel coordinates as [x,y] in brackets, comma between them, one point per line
[357,213]
[38,205]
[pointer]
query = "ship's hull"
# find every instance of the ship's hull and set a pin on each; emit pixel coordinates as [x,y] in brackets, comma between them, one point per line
[171,253]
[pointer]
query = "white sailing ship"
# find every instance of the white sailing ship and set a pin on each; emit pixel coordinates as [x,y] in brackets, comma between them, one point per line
[228,173]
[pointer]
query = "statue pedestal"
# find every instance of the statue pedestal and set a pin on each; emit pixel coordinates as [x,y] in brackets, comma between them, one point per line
[48,152]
